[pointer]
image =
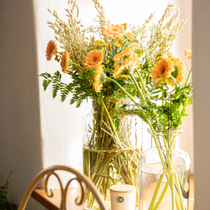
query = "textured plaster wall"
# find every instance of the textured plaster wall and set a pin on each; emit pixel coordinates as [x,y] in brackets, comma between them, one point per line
[37,131]
[201,85]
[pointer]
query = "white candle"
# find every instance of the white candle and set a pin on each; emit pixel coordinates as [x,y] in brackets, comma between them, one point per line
[123,197]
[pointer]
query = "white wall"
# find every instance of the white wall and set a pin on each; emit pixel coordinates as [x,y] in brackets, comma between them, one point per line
[20,132]
[37,131]
[201,85]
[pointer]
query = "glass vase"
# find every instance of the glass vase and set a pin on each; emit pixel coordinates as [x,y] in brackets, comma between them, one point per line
[111,151]
[164,174]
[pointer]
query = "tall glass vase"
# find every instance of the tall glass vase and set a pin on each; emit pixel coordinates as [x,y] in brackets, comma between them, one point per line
[164,174]
[111,151]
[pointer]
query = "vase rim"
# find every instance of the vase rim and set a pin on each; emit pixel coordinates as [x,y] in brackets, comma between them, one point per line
[166,132]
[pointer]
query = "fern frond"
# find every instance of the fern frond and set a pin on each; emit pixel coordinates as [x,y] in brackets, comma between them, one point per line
[48,79]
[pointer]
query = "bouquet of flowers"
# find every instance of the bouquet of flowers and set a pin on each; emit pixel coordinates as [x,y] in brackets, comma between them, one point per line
[128,71]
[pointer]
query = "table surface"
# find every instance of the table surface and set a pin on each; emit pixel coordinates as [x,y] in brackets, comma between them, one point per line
[53,203]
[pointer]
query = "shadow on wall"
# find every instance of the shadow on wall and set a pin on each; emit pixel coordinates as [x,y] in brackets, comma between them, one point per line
[20,135]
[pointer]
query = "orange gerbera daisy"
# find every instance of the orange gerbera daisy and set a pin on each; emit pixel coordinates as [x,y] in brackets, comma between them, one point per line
[126,68]
[93,58]
[188,53]
[64,61]
[99,78]
[125,53]
[51,49]
[162,69]
[112,31]
[178,72]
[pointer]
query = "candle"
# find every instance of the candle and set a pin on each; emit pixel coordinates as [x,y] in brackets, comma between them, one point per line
[123,197]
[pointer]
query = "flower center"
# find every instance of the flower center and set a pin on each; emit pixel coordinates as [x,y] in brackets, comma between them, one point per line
[163,71]
[114,30]
[95,59]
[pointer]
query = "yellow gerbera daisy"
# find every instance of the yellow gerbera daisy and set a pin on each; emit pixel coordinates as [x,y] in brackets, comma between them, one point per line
[112,31]
[188,53]
[99,78]
[126,68]
[178,72]
[93,58]
[64,61]
[51,49]
[162,69]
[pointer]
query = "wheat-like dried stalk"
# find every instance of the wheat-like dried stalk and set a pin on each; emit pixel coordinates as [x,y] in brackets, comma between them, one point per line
[71,36]
[163,34]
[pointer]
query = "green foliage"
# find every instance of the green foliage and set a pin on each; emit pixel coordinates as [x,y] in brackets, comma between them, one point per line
[4,203]
[80,86]
[47,79]
[124,72]
[167,107]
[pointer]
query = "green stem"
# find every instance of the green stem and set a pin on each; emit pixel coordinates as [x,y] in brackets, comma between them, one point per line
[152,129]
[142,84]
[145,90]
[163,102]
[138,88]
[78,66]
[161,197]
[172,191]
[110,119]
[112,80]
[101,124]
[188,77]
[179,191]
[156,192]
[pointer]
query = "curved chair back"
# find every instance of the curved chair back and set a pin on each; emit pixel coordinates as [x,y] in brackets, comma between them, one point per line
[82,179]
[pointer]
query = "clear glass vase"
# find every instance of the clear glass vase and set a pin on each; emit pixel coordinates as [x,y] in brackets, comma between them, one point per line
[164,174]
[111,151]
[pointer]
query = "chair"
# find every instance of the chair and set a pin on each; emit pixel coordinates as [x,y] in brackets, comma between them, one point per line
[82,179]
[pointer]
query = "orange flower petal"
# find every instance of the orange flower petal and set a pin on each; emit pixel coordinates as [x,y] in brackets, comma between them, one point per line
[51,49]
[64,61]
[188,53]
[97,85]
